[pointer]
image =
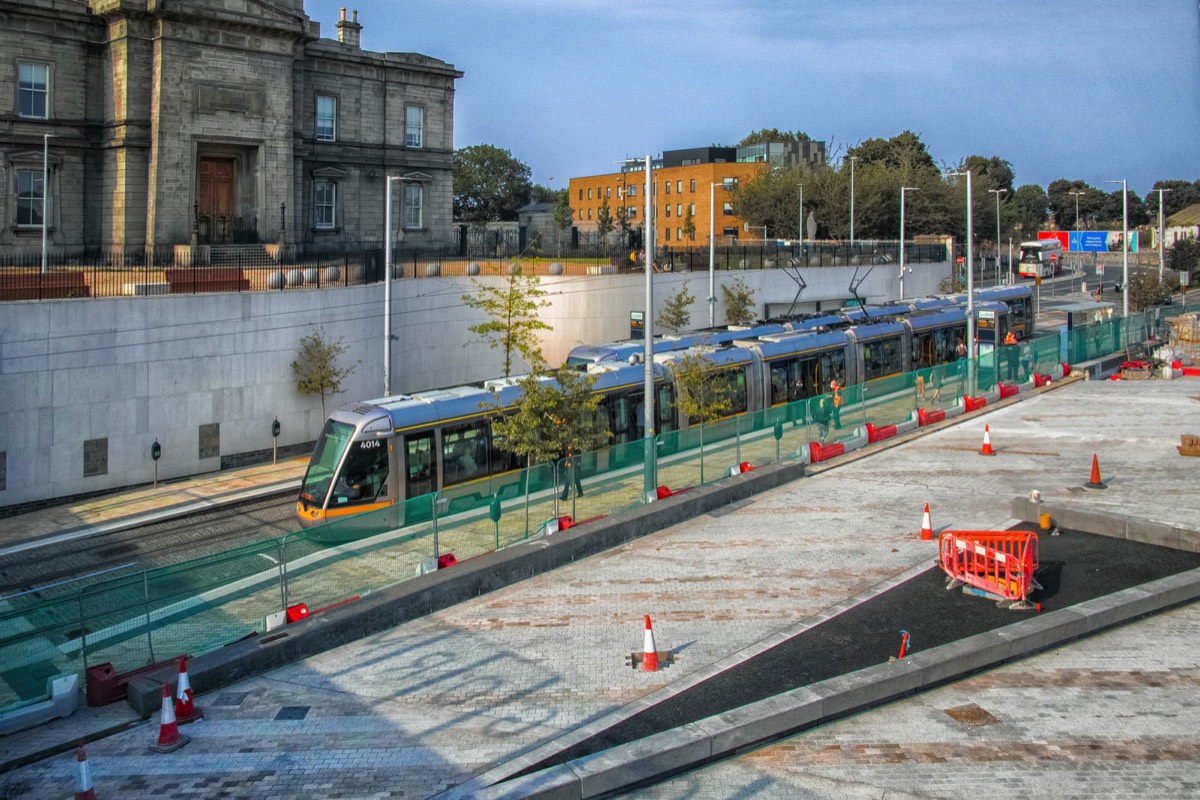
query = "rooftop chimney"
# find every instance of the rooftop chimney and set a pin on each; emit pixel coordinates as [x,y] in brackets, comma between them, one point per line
[348,31]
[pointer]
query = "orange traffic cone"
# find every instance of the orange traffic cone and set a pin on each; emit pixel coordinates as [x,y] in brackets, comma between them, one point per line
[926,528]
[185,710]
[1095,482]
[83,788]
[649,651]
[169,737]
[987,442]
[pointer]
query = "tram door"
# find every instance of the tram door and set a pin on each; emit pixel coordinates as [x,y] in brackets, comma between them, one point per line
[418,462]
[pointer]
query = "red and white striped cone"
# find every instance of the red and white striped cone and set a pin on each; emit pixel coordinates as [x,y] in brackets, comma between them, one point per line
[169,737]
[987,442]
[926,528]
[83,787]
[649,651]
[185,710]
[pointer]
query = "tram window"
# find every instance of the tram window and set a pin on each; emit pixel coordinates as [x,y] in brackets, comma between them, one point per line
[464,453]
[503,460]
[832,368]
[780,382]
[419,455]
[326,455]
[666,408]
[734,381]
[364,476]
[882,357]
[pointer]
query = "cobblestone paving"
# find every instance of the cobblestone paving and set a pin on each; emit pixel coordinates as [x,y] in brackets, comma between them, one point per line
[429,704]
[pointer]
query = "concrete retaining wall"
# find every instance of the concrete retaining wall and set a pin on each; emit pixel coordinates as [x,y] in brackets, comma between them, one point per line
[119,373]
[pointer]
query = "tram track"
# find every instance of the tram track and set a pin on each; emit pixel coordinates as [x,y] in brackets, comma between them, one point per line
[150,545]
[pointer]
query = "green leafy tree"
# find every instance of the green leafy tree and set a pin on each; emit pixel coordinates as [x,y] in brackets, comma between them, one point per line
[772,199]
[703,391]
[675,315]
[903,151]
[1179,195]
[770,135]
[623,224]
[1028,208]
[604,223]
[513,321]
[316,370]
[739,303]
[564,217]
[1146,290]
[556,416]
[689,224]
[1184,256]
[489,184]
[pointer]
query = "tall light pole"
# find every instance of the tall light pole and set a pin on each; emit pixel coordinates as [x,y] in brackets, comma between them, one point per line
[712,254]
[649,482]
[1076,194]
[1162,245]
[1124,245]
[853,159]
[971,348]
[387,288]
[46,137]
[903,189]
[997,192]
[801,228]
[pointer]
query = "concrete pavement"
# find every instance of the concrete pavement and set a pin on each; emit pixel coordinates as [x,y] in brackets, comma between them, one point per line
[432,703]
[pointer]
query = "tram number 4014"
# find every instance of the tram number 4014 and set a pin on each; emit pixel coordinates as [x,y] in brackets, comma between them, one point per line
[368,444]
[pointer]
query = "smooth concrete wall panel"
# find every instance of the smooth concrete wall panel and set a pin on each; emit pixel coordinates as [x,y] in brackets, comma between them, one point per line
[164,365]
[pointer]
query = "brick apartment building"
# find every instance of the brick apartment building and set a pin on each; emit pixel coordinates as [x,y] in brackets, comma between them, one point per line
[213,121]
[686,185]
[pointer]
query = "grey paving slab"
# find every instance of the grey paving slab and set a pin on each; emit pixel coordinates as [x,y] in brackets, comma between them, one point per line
[428,705]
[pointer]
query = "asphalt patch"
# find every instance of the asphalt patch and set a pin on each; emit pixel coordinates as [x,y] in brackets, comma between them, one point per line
[1073,567]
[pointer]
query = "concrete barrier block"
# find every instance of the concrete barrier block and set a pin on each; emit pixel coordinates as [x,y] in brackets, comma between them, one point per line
[955,659]
[555,783]
[1047,630]
[954,410]
[1175,589]
[658,755]
[910,424]
[144,695]
[869,687]
[757,723]
[1113,609]
[63,692]
[858,440]
[1161,534]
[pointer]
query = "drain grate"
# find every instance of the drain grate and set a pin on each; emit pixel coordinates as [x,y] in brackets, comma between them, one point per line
[230,698]
[971,715]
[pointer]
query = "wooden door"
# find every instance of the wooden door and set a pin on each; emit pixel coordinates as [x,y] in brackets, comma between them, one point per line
[216,199]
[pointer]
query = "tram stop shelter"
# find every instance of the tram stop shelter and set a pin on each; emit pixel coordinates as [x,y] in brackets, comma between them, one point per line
[1090,312]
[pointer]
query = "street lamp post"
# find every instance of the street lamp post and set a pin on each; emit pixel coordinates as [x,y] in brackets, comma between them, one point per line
[1077,194]
[1162,259]
[712,254]
[997,192]
[971,345]
[649,482]
[387,288]
[853,159]
[1124,245]
[46,137]
[903,189]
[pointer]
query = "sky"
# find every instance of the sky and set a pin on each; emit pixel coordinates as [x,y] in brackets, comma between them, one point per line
[1092,90]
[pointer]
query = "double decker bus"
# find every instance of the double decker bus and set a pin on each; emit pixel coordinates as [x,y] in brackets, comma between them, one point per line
[1040,259]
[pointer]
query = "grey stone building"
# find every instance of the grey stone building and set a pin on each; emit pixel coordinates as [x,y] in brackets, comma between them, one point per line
[160,123]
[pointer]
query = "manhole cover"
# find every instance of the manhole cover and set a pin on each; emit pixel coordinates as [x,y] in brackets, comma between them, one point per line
[230,698]
[971,715]
[292,712]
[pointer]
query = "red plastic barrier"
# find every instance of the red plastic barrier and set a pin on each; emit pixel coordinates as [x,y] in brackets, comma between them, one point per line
[929,417]
[745,466]
[973,403]
[1008,390]
[663,492]
[1000,564]
[296,613]
[822,452]
[1192,372]
[1040,380]
[877,434]
[448,559]
[1066,369]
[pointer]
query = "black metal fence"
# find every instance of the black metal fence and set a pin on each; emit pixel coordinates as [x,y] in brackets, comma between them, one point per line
[232,268]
